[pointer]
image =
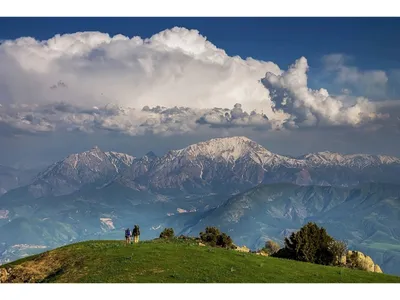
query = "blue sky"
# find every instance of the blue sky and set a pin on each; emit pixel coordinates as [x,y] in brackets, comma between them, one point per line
[372,42]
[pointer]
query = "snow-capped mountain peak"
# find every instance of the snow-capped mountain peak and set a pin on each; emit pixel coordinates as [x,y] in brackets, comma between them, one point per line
[78,169]
[322,157]
[228,148]
[203,166]
[90,159]
[350,160]
[118,158]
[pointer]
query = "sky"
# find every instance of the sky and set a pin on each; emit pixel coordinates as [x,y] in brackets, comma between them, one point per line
[295,85]
[277,39]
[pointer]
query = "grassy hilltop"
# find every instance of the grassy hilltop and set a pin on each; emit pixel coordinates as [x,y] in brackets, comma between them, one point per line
[173,261]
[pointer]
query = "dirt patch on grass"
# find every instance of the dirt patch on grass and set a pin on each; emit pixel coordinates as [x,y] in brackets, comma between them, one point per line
[156,271]
[35,270]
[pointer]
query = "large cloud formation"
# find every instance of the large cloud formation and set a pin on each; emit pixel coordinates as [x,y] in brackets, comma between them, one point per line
[170,83]
[307,107]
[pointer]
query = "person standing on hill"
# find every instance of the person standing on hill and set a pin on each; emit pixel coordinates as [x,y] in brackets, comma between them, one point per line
[127,236]
[136,233]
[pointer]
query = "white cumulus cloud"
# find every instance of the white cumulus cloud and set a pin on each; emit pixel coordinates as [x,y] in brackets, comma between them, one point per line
[307,107]
[172,82]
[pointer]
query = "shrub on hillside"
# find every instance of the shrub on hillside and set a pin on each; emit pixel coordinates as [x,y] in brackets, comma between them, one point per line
[167,233]
[310,244]
[213,237]
[210,236]
[338,250]
[283,253]
[224,241]
[271,247]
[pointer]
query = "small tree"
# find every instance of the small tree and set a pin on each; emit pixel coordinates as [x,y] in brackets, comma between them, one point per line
[210,236]
[271,247]
[310,244]
[224,241]
[213,237]
[338,250]
[167,233]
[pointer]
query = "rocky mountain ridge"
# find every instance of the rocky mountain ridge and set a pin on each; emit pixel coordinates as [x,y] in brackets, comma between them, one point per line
[222,165]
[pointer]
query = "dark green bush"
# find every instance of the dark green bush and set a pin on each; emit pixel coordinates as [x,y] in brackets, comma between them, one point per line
[210,236]
[213,237]
[224,241]
[167,233]
[310,244]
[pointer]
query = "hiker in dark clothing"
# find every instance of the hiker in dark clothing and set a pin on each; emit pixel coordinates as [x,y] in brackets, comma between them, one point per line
[136,233]
[127,236]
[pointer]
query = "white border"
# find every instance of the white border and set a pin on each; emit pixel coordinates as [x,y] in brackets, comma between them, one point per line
[198,291]
[200,8]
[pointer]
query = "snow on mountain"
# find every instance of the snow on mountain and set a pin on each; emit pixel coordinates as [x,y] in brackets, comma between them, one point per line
[117,159]
[237,163]
[232,149]
[76,170]
[327,158]
[230,164]
[94,160]
[203,160]
[229,149]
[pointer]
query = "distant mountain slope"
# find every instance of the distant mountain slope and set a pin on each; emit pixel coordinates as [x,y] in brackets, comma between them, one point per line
[224,166]
[353,160]
[234,164]
[182,262]
[367,217]
[77,170]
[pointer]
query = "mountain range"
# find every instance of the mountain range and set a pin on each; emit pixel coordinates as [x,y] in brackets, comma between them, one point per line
[223,165]
[233,183]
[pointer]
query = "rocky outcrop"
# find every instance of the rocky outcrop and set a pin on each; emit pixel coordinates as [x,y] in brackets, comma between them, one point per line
[358,260]
[242,249]
[343,260]
[377,269]
[262,253]
[3,275]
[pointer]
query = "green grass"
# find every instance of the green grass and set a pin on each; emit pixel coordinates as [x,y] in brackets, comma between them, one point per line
[174,262]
